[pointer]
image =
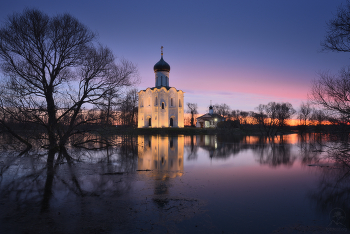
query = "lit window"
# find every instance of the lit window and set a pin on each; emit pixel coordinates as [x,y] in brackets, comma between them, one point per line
[162,105]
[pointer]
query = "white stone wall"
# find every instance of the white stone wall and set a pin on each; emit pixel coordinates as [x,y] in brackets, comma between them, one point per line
[151,103]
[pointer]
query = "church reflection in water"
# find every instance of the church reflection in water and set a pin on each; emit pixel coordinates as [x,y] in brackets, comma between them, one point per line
[161,154]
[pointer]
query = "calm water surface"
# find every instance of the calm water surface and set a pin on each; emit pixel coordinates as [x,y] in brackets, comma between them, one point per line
[182,184]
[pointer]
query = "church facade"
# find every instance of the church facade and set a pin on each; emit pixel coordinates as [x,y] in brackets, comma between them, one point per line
[161,105]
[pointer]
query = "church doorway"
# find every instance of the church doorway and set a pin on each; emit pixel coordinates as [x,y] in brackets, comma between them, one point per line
[150,122]
[171,122]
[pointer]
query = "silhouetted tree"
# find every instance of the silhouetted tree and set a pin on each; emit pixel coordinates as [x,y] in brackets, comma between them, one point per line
[338,32]
[242,116]
[128,108]
[318,116]
[222,109]
[192,108]
[304,112]
[285,111]
[273,116]
[117,99]
[234,114]
[53,67]
[332,93]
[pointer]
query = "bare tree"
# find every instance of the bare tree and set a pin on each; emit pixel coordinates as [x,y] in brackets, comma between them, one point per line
[332,93]
[338,31]
[128,108]
[273,116]
[241,116]
[53,67]
[192,108]
[115,98]
[222,109]
[266,118]
[234,115]
[318,116]
[285,111]
[304,112]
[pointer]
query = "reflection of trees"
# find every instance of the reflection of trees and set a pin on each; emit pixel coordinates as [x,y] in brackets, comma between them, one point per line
[79,190]
[311,146]
[38,180]
[221,147]
[333,192]
[192,150]
[273,151]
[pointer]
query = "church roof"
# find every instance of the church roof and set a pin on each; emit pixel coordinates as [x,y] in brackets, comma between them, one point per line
[161,65]
[208,116]
[162,87]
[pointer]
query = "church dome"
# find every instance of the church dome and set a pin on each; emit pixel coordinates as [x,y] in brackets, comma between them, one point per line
[161,66]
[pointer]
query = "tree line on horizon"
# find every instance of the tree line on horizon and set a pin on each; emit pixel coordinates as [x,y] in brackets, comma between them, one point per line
[269,117]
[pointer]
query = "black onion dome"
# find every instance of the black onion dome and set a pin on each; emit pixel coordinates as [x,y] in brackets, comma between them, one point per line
[161,66]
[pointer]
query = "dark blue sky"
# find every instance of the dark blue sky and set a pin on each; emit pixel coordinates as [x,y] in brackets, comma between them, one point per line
[242,53]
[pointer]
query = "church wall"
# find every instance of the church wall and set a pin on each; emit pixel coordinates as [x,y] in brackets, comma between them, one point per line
[180,111]
[163,113]
[151,106]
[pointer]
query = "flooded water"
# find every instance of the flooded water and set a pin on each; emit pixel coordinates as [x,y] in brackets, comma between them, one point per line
[179,184]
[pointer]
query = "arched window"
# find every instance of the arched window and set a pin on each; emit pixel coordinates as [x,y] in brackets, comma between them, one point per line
[180,105]
[172,102]
[162,105]
[156,102]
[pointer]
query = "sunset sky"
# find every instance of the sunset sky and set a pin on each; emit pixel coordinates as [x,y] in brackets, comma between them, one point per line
[242,53]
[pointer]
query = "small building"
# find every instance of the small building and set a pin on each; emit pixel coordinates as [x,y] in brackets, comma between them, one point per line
[162,105]
[209,120]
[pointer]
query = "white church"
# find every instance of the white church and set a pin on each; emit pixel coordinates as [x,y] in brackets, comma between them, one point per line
[162,105]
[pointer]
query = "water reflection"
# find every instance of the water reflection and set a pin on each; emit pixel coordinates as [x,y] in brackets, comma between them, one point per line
[51,184]
[333,192]
[272,151]
[163,155]
[142,184]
